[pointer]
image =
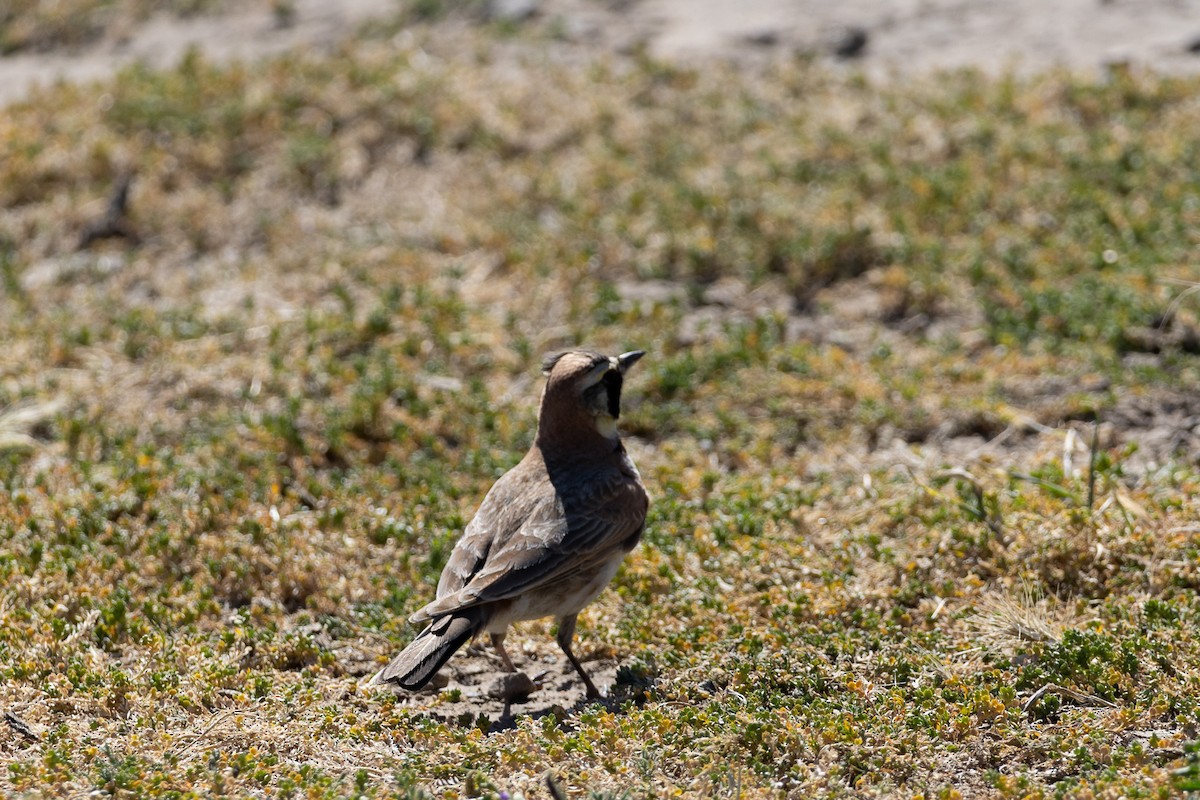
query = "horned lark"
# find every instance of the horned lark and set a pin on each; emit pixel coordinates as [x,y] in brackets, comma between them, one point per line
[551,532]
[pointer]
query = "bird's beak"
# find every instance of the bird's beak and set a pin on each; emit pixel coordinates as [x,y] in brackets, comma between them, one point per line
[627,360]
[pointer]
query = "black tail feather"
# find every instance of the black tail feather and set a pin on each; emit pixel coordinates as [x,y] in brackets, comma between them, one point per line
[419,662]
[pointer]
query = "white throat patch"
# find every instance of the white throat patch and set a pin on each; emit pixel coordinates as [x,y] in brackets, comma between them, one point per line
[606,425]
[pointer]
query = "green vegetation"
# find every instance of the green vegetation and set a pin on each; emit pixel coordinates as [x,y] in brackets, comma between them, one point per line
[238,440]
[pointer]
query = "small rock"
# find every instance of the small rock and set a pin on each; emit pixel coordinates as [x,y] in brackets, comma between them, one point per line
[441,383]
[511,686]
[728,292]
[850,42]
[512,10]
[763,38]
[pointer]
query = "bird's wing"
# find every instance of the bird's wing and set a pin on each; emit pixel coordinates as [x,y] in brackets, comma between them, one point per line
[492,523]
[554,540]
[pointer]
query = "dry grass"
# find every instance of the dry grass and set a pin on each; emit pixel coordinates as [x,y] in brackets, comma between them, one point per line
[880,324]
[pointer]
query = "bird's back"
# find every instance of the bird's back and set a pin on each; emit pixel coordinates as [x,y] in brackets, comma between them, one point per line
[541,525]
[505,508]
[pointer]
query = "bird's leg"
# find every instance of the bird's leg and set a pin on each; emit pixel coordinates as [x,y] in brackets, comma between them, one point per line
[566,632]
[498,643]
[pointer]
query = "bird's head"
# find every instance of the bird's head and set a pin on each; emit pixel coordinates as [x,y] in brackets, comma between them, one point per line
[583,388]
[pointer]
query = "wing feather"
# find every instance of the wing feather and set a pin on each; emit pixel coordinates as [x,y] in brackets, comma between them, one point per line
[555,538]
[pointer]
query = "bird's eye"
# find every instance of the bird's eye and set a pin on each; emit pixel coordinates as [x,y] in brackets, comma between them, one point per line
[596,373]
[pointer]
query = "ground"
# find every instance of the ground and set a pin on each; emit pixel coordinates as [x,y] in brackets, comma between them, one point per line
[903,37]
[919,415]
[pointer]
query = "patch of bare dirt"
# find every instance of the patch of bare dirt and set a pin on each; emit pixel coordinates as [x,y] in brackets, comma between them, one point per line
[915,36]
[470,695]
[1164,424]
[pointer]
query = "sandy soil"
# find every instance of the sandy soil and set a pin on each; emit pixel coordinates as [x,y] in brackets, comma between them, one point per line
[905,36]
[896,38]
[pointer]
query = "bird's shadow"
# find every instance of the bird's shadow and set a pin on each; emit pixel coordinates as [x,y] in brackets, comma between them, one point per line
[508,720]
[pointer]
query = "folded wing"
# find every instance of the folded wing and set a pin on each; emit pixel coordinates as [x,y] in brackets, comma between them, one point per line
[553,538]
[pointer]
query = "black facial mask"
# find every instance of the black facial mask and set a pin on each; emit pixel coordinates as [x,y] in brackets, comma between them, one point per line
[612,385]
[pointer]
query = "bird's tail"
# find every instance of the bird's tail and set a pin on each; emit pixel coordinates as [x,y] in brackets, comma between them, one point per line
[432,648]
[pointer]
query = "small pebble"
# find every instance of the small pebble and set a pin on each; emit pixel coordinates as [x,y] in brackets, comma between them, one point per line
[512,10]
[850,42]
[511,686]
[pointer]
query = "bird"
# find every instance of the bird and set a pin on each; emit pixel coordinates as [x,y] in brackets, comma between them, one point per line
[551,532]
